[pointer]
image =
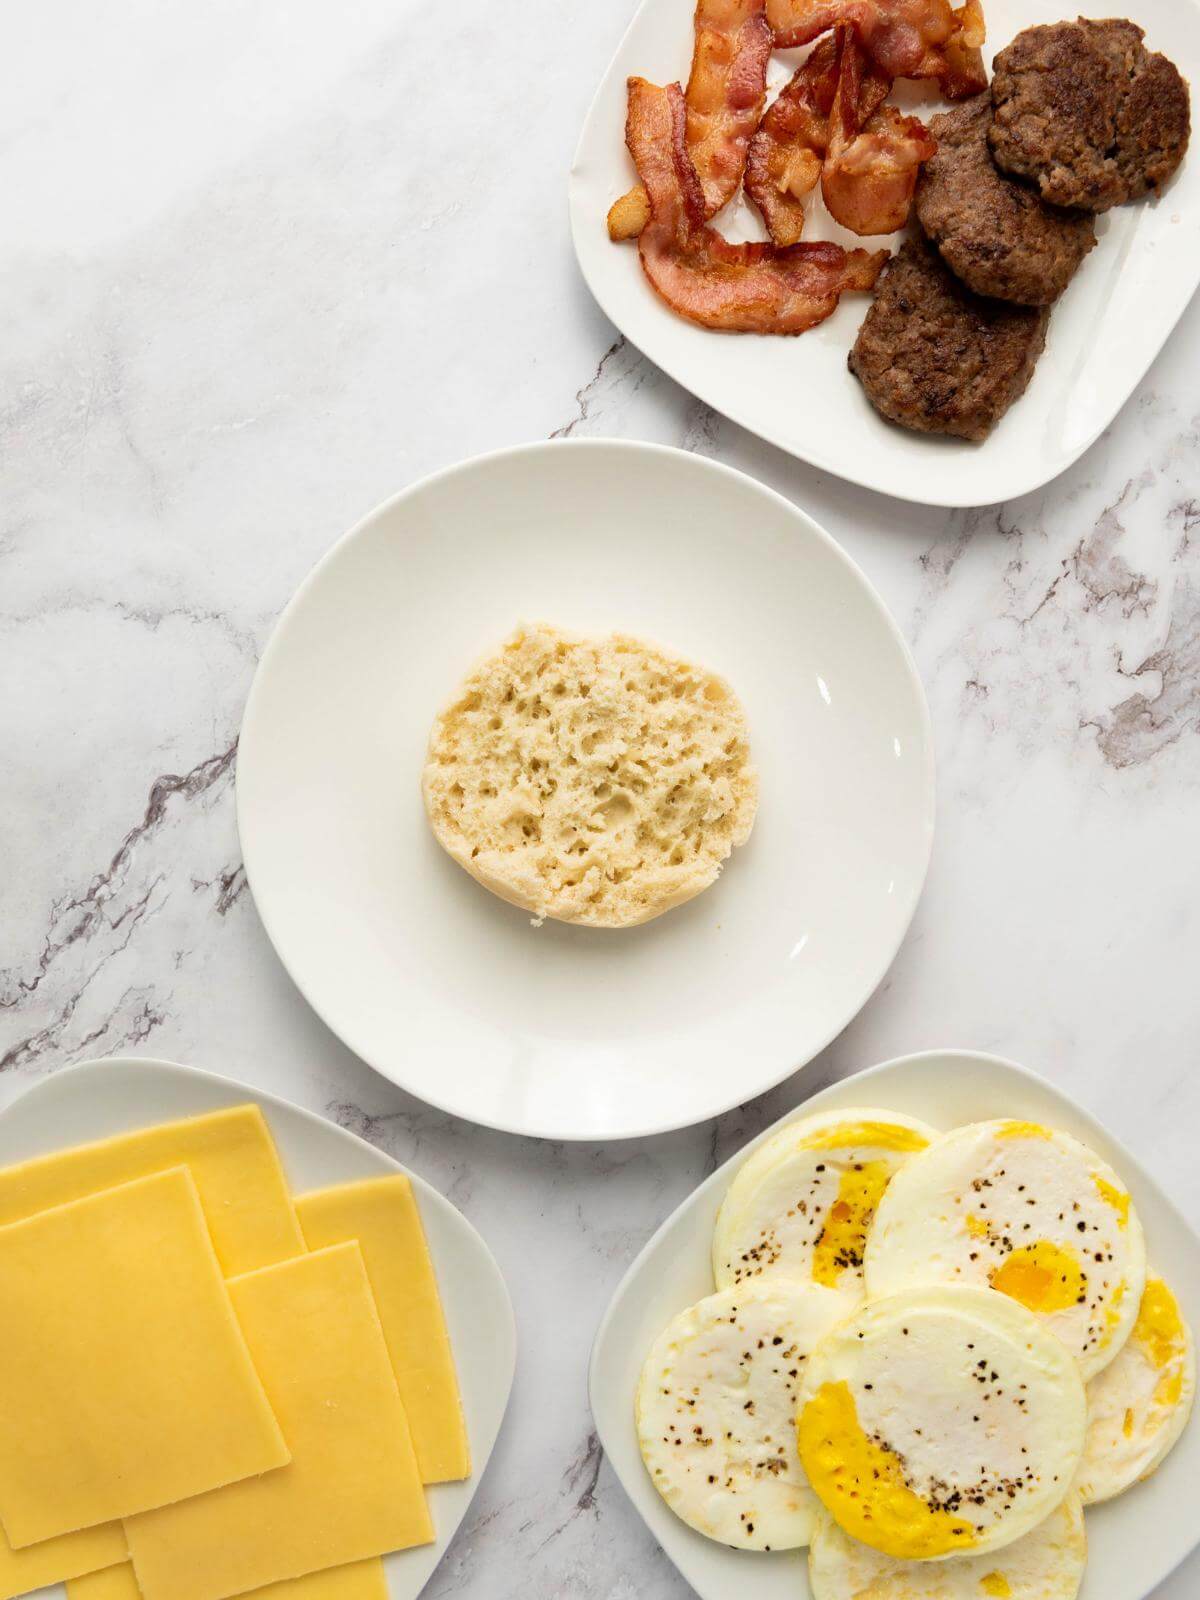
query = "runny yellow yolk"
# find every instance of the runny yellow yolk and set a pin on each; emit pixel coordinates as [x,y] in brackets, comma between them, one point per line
[865,1136]
[1114,1197]
[844,1236]
[862,1485]
[1160,1332]
[1042,1276]
[995,1584]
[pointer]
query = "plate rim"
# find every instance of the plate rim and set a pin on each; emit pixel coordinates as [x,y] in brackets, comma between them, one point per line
[950,501]
[506,1333]
[945,1055]
[700,464]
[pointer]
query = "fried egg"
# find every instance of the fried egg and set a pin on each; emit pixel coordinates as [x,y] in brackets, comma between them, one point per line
[1140,1404]
[801,1205]
[1046,1564]
[716,1410]
[1030,1212]
[940,1421]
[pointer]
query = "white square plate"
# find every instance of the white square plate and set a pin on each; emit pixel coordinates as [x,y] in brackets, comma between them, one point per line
[1134,1542]
[101,1098]
[797,392]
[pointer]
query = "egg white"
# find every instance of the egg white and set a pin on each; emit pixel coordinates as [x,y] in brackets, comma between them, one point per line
[1140,1404]
[715,1412]
[776,1216]
[1045,1564]
[1024,1209]
[940,1421]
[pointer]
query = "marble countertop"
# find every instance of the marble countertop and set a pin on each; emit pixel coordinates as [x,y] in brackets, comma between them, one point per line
[266,263]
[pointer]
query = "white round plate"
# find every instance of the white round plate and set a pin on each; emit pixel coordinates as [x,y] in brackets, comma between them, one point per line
[564,1032]
[101,1098]
[1134,1541]
[797,393]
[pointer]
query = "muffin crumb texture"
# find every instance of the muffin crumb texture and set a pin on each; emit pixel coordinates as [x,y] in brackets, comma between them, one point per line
[595,781]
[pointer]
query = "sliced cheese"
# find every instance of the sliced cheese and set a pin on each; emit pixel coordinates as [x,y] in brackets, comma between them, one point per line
[232,1158]
[352,1489]
[362,1580]
[382,1215]
[52,1561]
[125,1381]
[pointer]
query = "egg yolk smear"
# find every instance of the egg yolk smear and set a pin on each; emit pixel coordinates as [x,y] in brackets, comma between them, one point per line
[995,1583]
[1023,1130]
[862,1484]
[1159,1331]
[1042,1276]
[866,1136]
[844,1236]
[1116,1198]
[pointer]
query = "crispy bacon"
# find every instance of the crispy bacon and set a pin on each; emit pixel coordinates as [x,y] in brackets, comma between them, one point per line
[872,166]
[785,156]
[743,288]
[905,38]
[725,96]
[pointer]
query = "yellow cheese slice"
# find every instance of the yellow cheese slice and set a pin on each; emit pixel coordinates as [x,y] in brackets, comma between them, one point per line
[232,1158]
[352,1489]
[125,1381]
[361,1580]
[382,1215]
[52,1561]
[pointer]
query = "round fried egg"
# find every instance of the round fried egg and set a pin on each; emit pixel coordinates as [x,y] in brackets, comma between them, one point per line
[1140,1404]
[801,1205]
[941,1421]
[716,1410]
[1046,1564]
[1030,1212]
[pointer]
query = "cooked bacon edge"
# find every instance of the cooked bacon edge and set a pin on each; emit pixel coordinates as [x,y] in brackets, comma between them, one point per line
[905,38]
[725,96]
[742,288]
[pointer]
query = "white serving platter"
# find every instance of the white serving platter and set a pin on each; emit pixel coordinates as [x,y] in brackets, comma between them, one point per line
[100,1098]
[1134,1541]
[797,392]
[558,1031]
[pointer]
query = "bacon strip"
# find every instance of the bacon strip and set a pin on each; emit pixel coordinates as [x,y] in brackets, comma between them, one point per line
[906,38]
[741,288]
[783,163]
[871,169]
[725,96]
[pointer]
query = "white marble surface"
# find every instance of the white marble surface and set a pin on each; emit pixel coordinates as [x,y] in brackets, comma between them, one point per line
[264,263]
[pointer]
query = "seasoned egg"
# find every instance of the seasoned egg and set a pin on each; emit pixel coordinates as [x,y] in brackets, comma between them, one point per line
[1030,1212]
[940,1421]
[716,1412]
[1140,1404]
[1046,1564]
[803,1202]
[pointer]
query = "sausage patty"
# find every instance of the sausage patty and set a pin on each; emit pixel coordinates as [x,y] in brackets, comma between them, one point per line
[992,230]
[1087,113]
[934,357]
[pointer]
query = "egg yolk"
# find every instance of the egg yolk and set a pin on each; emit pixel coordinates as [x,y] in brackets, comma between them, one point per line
[1116,1198]
[844,1236]
[977,1227]
[1160,1332]
[995,1584]
[1023,1130]
[862,1485]
[1042,1276]
[865,1136]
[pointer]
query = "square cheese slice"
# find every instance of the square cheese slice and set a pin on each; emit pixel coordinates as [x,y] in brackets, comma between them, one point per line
[351,1490]
[382,1214]
[362,1580]
[52,1561]
[231,1156]
[125,1381]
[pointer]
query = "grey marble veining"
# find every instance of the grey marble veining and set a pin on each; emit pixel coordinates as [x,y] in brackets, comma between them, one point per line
[264,266]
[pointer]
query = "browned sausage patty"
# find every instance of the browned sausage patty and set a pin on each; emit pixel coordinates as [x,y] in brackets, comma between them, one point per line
[1087,113]
[935,357]
[992,230]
